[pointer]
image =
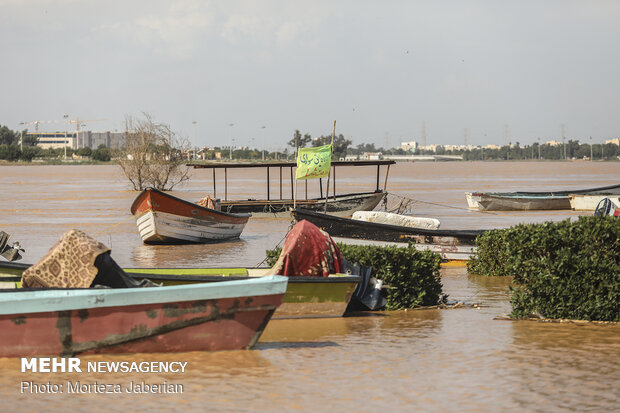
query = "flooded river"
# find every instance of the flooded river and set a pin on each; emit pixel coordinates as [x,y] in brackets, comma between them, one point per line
[456,360]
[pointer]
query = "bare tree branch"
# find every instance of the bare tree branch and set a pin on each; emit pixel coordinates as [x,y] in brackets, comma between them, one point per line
[153,155]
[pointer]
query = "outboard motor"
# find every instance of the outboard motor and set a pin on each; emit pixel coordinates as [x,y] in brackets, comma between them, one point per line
[10,252]
[607,207]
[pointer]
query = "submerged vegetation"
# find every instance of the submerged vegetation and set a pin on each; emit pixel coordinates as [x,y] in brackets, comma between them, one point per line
[567,269]
[412,276]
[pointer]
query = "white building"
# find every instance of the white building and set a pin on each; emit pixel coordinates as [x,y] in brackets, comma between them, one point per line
[553,143]
[81,139]
[371,156]
[410,146]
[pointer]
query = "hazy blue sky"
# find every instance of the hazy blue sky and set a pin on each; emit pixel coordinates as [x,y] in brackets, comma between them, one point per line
[380,68]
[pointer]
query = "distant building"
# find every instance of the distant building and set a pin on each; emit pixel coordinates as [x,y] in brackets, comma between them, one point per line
[459,147]
[81,139]
[410,146]
[55,139]
[615,141]
[113,140]
[553,143]
[371,156]
[432,148]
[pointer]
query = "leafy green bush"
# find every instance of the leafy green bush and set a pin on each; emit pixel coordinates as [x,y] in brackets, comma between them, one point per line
[412,275]
[561,269]
[102,154]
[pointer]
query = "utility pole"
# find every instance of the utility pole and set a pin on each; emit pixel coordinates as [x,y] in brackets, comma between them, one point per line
[506,139]
[564,139]
[263,139]
[423,134]
[195,139]
[591,155]
[230,139]
[539,149]
[65,116]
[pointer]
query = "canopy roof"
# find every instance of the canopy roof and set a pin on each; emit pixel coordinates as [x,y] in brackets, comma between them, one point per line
[222,165]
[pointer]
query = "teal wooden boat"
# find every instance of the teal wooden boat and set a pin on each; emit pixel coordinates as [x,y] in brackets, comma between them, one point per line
[215,316]
[305,296]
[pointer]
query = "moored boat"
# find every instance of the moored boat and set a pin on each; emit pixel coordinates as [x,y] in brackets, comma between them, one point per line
[450,244]
[304,297]
[529,201]
[340,204]
[165,219]
[217,316]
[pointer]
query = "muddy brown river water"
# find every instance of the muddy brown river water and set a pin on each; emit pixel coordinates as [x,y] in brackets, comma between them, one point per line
[456,360]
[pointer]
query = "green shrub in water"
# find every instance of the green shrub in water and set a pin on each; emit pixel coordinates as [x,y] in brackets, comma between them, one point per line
[568,269]
[412,275]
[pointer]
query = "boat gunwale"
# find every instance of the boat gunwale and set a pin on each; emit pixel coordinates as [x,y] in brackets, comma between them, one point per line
[45,300]
[337,278]
[549,193]
[344,278]
[395,228]
[146,192]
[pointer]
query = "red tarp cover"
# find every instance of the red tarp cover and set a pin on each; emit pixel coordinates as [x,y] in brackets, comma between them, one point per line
[308,251]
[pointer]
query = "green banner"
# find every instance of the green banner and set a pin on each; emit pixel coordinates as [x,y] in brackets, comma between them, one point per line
[313,162]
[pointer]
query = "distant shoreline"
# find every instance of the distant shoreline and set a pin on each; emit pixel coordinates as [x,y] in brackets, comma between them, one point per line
[62,163]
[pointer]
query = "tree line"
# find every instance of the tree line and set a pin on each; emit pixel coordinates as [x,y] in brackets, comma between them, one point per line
[11,150]
[573,149]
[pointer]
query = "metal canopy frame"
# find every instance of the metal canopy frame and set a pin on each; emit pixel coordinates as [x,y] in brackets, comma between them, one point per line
[291,165]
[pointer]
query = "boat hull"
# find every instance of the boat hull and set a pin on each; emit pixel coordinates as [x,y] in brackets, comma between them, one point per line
[448,253]
[451,244]
[486,202]
[530,201]
[165,228]
[588,202]
[305,297]
[340,205]
[164,219]
[65,322]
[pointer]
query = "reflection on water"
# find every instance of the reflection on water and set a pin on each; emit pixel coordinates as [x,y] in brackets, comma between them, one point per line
[187,255]
[459,359]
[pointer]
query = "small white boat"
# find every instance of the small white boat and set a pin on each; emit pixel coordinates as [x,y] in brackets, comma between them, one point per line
[165,219]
